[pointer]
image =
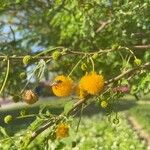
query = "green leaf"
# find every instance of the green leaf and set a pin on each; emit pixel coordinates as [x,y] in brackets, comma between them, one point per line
[3,131]
[68,106]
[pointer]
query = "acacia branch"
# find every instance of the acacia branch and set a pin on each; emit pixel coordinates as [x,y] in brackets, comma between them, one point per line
[82,101]
[130,71]
[21,57]
[39,131]
[69,51]
[142,46]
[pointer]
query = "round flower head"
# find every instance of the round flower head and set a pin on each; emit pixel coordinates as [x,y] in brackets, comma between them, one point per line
[62,131]
[30,97]
[92,83]
[104,104]
[62,86]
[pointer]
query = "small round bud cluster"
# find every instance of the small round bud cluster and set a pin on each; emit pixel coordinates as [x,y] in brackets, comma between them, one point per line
[23,112]
[104,104]
[115,47]
[27,59]
[30,97]
[23,75]
[8,119]
[137,62]
[84,67]
[95,56]
[56,55]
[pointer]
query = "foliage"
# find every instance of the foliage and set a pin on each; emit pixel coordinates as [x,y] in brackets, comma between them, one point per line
[99,134]
[141,113]
[43,39]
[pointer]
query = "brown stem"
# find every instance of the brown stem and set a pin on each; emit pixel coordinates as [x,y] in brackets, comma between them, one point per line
[21,57]
[142,46]
[130,71]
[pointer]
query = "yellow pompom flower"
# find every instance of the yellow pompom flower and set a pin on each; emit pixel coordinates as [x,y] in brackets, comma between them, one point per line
[104,104]
[92,83]
[62,86]
[62,131]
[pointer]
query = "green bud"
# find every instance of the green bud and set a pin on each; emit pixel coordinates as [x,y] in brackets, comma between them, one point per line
[137,62]
[104,104]
[56,55]
[8,119]
[23,75]
[115,47]
[84,67]
[16,98]
[27,59]
[95,56]
[23,112]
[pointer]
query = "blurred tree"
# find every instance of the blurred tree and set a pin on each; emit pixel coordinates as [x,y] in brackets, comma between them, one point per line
[27,27]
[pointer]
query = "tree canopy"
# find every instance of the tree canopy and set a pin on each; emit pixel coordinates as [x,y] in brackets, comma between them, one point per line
[88,26]
[44,38]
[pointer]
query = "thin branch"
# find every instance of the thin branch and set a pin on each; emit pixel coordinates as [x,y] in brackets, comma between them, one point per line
[69,51]
[103,25]
[21,57]
[142,46]
[6,76]
[77,104]
[81,111]
[13,34]
[130,71]
[41,129]
[76,65]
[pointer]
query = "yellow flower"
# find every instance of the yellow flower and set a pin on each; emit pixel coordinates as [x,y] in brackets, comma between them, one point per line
[81,93]
[62,86]
[92,83]
[62,131]
[104,104]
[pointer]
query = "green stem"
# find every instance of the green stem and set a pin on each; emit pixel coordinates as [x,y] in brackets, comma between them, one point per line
[6,76]
[26,116]
[93,66]
[76,65]
[46,51]
[80,118]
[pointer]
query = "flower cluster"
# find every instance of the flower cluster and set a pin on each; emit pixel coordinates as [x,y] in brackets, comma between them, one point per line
[90,84]
[62,86]
[62,130]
